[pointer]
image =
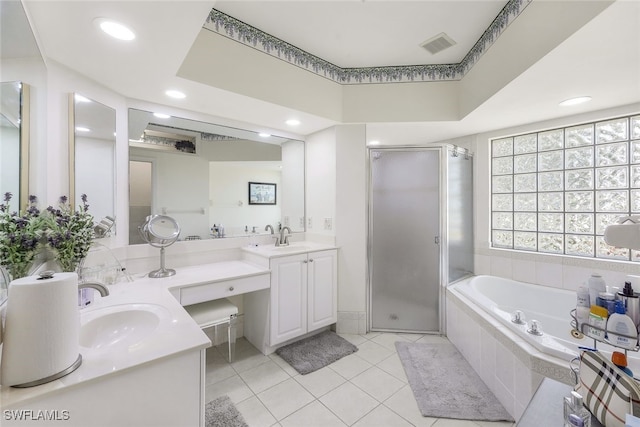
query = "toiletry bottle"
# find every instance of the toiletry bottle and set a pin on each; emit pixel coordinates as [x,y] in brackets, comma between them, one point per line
[596,285]
[583,307]
[597,318]
[575,414]
[631,302]
[620,360]
[608,301]
[620,324]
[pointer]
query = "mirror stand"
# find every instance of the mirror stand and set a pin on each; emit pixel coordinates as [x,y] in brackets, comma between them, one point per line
[162,271]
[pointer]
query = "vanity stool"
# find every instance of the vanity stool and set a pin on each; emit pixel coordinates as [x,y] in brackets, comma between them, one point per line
[213,314]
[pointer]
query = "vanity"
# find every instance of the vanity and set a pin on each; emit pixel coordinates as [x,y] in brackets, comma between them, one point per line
[303,297]
[144,357]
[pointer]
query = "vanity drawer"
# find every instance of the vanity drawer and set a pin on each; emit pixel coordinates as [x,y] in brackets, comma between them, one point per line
[210,291]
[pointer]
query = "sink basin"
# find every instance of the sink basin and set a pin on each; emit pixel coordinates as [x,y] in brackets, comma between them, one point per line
[120,325]
[290,248]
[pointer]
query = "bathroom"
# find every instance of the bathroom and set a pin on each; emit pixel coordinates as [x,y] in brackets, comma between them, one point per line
[335,182]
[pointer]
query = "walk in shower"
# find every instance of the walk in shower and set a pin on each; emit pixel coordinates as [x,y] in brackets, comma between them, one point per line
[420,234]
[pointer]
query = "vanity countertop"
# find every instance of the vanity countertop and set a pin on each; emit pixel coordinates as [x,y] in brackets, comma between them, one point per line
[294,248]
[176,333]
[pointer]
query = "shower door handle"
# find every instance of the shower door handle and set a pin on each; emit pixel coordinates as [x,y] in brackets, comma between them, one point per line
[436,240]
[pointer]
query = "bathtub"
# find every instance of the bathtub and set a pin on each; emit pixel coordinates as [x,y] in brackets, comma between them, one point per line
[550,307]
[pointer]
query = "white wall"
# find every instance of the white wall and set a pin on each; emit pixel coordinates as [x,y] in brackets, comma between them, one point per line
[351,217]
[551,270]
[321,180]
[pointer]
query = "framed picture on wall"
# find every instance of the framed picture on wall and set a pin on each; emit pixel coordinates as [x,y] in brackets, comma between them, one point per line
[262,193]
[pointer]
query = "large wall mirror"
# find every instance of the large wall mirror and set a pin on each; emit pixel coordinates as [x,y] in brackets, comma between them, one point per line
[22,74]
[200,173]
[92,151]
[14,142]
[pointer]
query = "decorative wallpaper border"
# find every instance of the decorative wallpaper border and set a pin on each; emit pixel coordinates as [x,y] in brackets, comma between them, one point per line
[237,30]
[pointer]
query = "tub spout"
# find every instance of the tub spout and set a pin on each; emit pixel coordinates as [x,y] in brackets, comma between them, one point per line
[518,317]
[535,329]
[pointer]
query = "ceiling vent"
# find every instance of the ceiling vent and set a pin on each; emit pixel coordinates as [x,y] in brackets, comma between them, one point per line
[438,43]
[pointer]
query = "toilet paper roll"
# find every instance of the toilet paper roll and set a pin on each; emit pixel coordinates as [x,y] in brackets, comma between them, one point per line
[623,235]
[41,328]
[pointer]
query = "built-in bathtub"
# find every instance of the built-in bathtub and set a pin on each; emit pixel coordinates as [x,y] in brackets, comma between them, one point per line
[550,307]
[510,360]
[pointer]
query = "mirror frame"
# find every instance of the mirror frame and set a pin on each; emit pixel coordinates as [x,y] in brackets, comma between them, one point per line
[72,149]
[25,134]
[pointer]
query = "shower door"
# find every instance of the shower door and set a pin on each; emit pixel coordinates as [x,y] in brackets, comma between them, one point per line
[404,233]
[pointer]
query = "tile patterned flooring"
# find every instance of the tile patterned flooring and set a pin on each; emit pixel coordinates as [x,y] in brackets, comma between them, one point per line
[365,389]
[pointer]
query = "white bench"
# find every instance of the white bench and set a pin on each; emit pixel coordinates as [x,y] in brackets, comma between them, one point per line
[211,314]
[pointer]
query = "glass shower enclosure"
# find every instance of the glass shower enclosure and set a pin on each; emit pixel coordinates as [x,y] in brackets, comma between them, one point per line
[420,234]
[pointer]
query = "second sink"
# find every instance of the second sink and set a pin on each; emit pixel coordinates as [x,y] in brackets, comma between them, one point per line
[120,325]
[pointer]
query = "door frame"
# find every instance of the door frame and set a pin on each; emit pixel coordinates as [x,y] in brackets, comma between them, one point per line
[442,279]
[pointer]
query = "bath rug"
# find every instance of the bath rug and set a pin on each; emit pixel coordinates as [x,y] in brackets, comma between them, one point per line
[221,412]
[312,353]
[446,386]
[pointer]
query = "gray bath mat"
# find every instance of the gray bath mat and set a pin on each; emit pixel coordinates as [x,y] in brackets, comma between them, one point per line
[312,353]
[446,386]
[221,412]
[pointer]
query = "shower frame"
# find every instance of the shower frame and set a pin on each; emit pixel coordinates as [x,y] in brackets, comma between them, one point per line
[444,150]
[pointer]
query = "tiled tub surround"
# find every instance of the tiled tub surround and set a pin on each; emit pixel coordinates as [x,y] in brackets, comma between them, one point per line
[511,367]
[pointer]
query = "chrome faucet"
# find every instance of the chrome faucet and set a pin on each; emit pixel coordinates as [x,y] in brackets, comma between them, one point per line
[97,286]
[284,240]
[270,227]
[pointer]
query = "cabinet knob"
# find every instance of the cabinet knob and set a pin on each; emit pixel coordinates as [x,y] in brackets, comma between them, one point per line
[310,260]
[231,288]
[304,262]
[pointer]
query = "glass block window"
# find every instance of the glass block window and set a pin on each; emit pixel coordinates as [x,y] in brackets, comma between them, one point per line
[555,191]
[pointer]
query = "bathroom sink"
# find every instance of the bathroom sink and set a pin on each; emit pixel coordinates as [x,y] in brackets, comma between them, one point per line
[119,325]
[290,248]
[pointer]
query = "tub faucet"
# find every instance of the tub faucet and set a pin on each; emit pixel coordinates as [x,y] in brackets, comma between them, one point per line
[284,240]
[97,286]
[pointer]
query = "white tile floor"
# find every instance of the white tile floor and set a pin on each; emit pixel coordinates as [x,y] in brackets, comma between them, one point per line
[365,389]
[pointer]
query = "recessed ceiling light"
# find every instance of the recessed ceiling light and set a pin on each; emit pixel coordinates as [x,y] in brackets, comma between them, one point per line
[575,101]
[293,122]
[115,29]
[161,115]
[374,142]
[264,135]
[82,129]
[175,94]
[80,98]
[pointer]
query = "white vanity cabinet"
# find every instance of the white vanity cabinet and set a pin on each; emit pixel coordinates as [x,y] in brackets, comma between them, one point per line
[303,297]
[303,294]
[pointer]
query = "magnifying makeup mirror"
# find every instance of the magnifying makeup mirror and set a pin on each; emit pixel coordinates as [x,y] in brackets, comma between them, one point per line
[160,231]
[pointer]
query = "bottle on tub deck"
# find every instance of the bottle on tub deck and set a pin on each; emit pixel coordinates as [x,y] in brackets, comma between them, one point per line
[620,328]
[575,414]
[631,301]
[596,285]
[597,318]
[583,307]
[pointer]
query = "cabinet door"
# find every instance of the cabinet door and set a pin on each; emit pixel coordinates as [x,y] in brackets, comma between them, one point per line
[288,297]
[323,289]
